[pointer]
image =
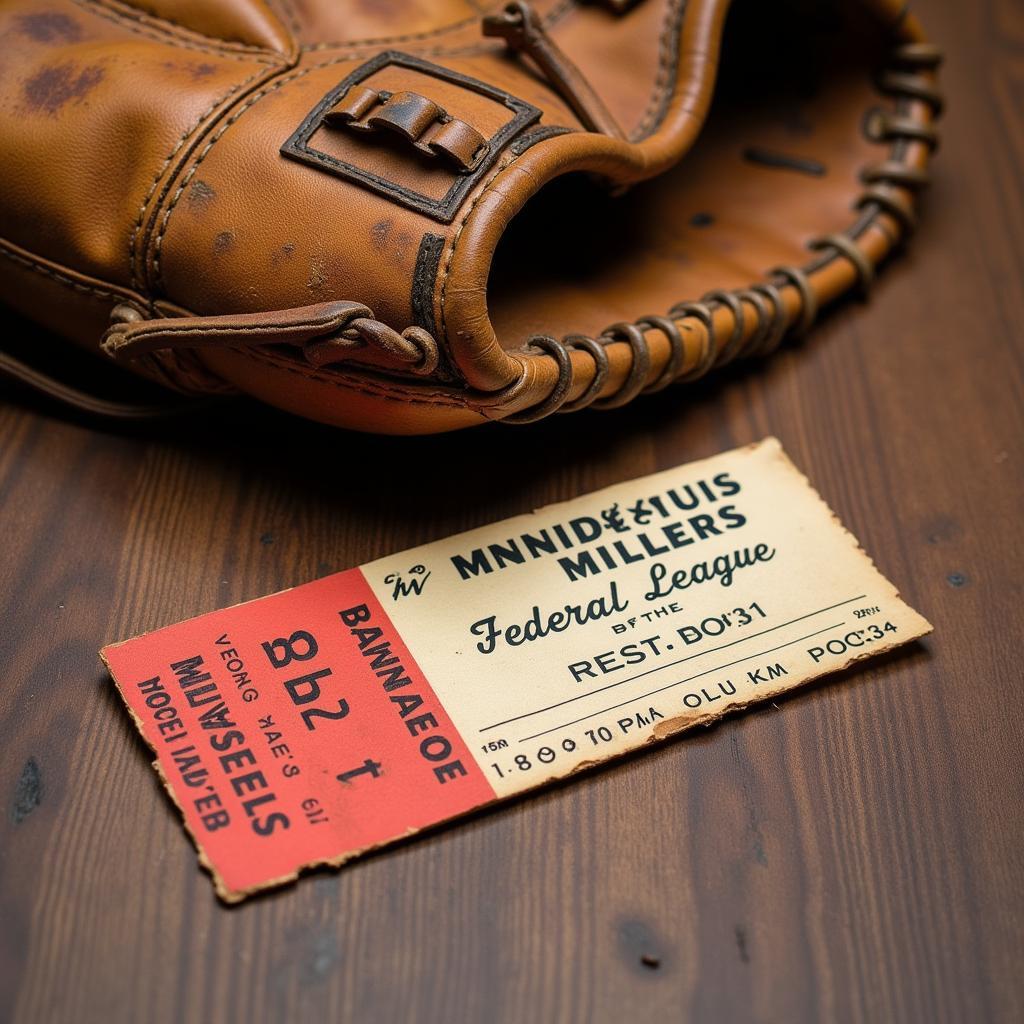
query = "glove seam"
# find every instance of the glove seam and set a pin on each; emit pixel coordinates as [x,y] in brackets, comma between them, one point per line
[445,273]
[64,279]
[374,390]
[191,132]
[139,23]
[664,80]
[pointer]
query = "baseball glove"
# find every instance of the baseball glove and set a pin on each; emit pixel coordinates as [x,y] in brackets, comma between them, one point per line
[411,217]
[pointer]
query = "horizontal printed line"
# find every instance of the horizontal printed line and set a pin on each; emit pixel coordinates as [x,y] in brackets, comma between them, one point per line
[688,679]
[671,664]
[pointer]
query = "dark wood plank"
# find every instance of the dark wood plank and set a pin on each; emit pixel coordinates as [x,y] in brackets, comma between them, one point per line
[852,854]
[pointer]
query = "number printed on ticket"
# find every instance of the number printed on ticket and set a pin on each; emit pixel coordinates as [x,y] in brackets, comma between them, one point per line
[313,725]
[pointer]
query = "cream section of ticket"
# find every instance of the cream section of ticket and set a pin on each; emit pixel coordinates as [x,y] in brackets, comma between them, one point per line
[589,628]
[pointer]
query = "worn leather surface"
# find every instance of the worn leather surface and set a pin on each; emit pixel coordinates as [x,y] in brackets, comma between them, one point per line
[143,172]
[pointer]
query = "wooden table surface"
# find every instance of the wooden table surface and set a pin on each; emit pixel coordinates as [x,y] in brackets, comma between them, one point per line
[853,854]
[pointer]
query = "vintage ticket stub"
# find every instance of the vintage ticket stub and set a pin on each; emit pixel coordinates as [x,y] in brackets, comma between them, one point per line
[310,726]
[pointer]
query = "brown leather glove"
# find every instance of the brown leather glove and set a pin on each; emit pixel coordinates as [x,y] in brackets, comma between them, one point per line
[412,217]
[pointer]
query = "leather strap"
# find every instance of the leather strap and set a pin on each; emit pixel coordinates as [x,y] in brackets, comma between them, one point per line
[93,405]
[523,31]
[326,332]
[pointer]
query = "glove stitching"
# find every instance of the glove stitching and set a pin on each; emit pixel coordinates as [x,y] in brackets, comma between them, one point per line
[184,332]
[388,40]
[254,98]
[664,81]
[188,133]
[374,391]
[458,235]
[137,22]
[63,279]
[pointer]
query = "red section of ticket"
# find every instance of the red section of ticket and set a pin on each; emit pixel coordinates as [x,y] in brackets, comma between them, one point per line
[295,730]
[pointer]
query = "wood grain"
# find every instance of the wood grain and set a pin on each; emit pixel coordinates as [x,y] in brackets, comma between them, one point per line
[853,854]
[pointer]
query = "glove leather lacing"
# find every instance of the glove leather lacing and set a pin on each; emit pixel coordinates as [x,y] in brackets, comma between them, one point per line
[885,180]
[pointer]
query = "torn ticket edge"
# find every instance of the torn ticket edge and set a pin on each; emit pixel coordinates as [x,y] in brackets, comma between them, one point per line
[314,725]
